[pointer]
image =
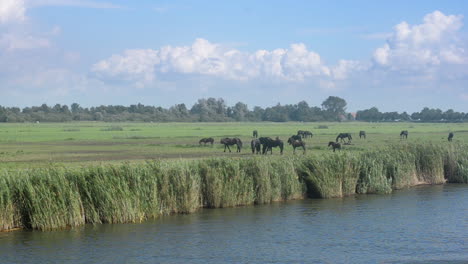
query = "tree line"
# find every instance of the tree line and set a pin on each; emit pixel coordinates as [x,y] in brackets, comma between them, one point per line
[216,110]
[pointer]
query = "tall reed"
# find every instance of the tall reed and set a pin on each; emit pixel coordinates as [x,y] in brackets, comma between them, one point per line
[57,197]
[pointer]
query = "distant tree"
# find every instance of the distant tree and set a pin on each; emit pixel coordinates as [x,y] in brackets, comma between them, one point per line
[75,108]
[370,115]
[45,108]
[239,112]
[334,107]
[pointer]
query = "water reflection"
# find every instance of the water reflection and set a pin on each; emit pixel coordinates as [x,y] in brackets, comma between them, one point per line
[425,224]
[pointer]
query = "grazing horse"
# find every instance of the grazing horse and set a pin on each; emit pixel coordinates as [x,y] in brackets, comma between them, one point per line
[404,134]
[206,140]
[304,133]
[269,143]
[334,145]
[231,141]
[256,145]
[295,137]
[296,143]
[342,137]
[308,134]
[362,133]
[450,136]
[255,134]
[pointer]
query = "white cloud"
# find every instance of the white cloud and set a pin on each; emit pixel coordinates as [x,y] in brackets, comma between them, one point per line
[419,47]
[381,35]
[12,11]
[205,58]
[415,52]
[133,65]
[464,96]
[346,68]
[76,3]
[12,42]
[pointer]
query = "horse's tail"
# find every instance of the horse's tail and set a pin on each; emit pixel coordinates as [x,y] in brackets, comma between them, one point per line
[338,137]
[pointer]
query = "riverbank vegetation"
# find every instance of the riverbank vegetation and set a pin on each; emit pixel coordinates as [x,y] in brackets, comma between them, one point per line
[59,197]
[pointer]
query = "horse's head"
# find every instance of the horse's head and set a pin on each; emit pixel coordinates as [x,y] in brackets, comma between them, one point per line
[331,143]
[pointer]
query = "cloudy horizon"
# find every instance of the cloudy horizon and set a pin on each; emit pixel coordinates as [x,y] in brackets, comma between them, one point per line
[165,53]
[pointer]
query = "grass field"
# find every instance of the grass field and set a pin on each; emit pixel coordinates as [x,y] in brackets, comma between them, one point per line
[79,143]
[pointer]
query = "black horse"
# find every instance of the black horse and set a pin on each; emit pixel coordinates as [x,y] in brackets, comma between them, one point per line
[269,143]
[343,136]
[206,140]
[231,141]
[255,134]
[256,145]
[450,136]
[295,137]
[296,143]
[304,133]
[362,133]
[404,134]
[334,145]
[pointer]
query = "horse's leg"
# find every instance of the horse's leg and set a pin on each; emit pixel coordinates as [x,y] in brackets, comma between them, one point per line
[224,147]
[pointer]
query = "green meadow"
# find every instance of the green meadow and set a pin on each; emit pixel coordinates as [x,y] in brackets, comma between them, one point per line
[29,145]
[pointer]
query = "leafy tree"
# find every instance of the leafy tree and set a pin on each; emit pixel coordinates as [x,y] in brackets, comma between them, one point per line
[334,107]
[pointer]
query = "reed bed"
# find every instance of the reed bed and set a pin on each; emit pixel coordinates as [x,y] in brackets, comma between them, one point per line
[58,197]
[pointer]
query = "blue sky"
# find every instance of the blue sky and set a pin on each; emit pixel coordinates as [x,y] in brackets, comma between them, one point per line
[396,55]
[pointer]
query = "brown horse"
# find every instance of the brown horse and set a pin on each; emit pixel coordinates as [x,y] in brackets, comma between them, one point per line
[231,141]
[343,136]
[334,145]
[255,145]
[255,134]
[450,136]
[304,133]
[269,143]
[362,133]
[295,143]
[404,134]
[206,140]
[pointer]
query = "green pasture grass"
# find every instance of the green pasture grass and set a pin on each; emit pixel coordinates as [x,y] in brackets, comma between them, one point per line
[26,145]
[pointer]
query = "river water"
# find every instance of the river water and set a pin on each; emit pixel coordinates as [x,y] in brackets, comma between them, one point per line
[426,224]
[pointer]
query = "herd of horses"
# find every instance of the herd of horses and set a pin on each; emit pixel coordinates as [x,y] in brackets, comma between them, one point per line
[264,144]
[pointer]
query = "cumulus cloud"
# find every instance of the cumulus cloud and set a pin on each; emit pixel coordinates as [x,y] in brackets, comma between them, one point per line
[76,3]
[12,11]
[12,42]
[205,58]
[344,68]
[419,47]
